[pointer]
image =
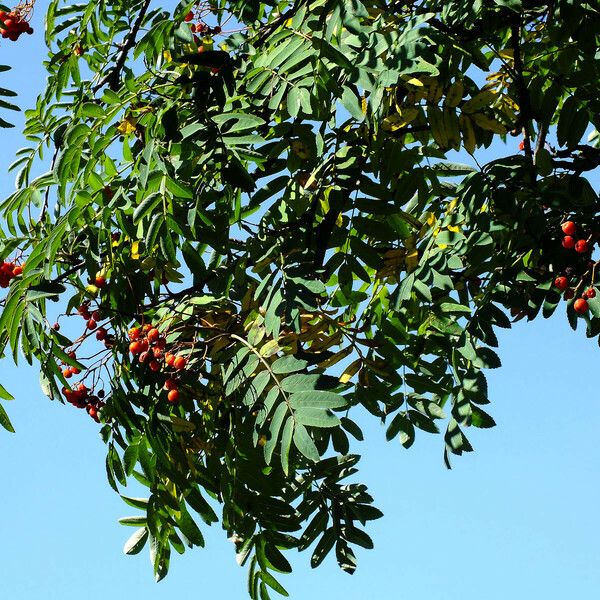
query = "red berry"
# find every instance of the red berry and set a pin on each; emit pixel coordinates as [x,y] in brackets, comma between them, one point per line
[56,327]
[153,335]
[189,17]
[180,363]
[173,396]
[590,293]
[170,384]
[134,333]
[144,357]
[562,283]
[569,228]
[101,334]
[581,306]
[568,294]
[582,246]
[100,281]
[169,359]
[154,365]
[67,373]
[157,352]
[18,270]
[216,29]
[161,343]
[135,347]
[146,328]
[144,345]
[568,242]
[91,324]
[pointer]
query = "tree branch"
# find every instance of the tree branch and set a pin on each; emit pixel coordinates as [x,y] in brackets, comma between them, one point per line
[113,77]
[519,80]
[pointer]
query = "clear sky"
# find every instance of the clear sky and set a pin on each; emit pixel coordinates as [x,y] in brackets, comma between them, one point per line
[516,519]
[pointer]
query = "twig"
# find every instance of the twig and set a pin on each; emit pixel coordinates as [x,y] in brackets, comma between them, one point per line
[524,104]
[112,77]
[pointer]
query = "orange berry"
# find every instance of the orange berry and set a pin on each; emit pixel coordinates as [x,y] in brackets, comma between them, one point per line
[134,333]
[135,347]
[173,396]
[180,363]
[581,306]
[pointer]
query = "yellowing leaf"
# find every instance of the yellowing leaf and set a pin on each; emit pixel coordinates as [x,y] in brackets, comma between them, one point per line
[335,358]
[351,370]
[451,205]
[399,120]
[127,125]
[269,349]
[300,149]
[412,260]
[488,124]
[135,250]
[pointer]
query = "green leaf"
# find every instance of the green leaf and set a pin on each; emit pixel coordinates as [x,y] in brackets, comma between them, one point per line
[189,528]
[317,399]
[4,394]
[304,443]
[275,427]
[90,109]
[316,417]
[5,421]
[299,382]
[323,547]
[136,542]
[286,442]
[272,583]
[288,364]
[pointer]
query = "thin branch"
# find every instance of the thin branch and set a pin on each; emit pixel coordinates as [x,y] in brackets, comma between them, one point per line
[114,75]
[519,80]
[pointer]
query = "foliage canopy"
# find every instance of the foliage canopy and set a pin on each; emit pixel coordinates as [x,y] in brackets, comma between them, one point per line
[278,195]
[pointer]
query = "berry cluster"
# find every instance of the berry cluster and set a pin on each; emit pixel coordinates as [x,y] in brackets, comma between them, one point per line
[92,319]
[569,229]
[564,281]
[81,397]
[8,271]
[201,27]
[148,345]
[13,25]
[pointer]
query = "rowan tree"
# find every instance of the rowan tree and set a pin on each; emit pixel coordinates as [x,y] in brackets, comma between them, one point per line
[271,221]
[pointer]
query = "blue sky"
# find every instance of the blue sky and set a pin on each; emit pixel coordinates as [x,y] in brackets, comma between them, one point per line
[515,519]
